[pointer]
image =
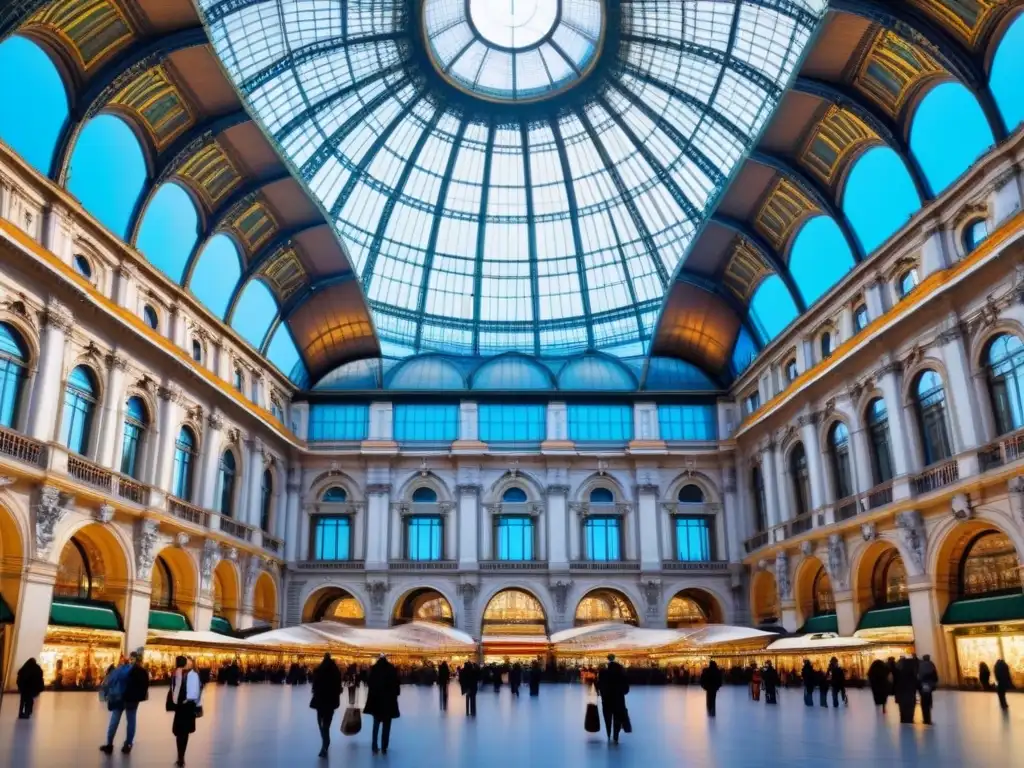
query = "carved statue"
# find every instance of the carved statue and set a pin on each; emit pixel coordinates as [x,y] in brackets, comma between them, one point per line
[652,594]
[378,592]
[468,591]
[560,590]
[211,556]
[910,525]
[961,506]
[49,512]
[868,531]
[145,548]
[782,580]
[837,569]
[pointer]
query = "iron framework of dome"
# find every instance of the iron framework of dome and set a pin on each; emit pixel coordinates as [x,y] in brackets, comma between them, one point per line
[549,225]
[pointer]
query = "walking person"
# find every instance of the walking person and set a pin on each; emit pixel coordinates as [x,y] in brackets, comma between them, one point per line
[906,690]
[985,676]
[771,684]
[444,676]
[326,698]
[711,681]
[755,682]
[469,680]
[613,686]
[1004,682]
[837,680]
[383,688]
[30,685]
[185,697]
[879,680]
[822,680]
[928,681]
[808,675]
[535,674]
[112,690]
[515,678]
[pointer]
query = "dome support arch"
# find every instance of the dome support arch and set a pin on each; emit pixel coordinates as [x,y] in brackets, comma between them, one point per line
[766,252]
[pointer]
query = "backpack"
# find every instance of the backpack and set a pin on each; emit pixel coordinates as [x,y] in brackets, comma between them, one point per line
[116,685]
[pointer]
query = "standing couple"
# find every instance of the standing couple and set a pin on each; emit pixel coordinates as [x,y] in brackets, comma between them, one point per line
[383,688]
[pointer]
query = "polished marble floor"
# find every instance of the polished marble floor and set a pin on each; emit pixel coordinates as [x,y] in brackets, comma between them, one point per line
[263,725]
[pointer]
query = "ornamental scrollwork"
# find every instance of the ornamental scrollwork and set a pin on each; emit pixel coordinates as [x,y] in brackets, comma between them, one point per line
[50,510]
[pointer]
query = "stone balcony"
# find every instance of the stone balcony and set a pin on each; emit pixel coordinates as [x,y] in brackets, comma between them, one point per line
[604,566]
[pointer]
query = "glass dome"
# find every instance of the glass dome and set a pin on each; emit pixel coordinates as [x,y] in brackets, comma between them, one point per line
[513,49]
[484,211]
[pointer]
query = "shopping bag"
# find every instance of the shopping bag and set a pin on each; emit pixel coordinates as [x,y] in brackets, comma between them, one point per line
[351,721]
[627,727]
[592,720]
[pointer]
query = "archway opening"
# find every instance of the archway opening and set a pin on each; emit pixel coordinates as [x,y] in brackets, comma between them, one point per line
[227,592]
[601,605]
[514,612]
[815,598]
[883,600]
[173,591]
[264,601]
[693,608]
[11,563]
[334,604]
[424,604]
[764,598]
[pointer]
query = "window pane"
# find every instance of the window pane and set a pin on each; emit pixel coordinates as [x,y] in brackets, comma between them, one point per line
[600,423]
[687,422]
[329,423]
[424,538]
[513,423]
[427,423]
[331,538]
[602,535]
[515,538]
[693,538]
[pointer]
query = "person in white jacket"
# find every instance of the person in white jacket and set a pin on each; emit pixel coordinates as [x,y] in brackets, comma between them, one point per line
[185,697]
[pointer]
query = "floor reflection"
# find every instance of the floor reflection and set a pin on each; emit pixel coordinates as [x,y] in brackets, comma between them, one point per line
[266,725]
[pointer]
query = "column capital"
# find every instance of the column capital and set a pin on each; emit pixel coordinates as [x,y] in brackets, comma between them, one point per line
[648,489]
[468,489]
[58,316]
[171,394]
[378,489]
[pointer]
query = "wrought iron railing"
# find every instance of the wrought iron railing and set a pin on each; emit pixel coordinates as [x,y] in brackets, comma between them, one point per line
[423,565]
[132,490]
[188,512]
[91,474]
[1006,450]
[848,508]
[694,565]
[880,495]
[20,448]
[331,565]
[798,525]
[604,565]
[757,541]
[236,529]
[936,476]
[272,543]
[513,565]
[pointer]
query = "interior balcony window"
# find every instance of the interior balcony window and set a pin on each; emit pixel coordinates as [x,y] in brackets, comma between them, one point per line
[603,538]
[693,538]
[688,422]
[881,451]
[839,453]
[800,477]
[226,481]
[826,345]
[930,399]
[332,537]
[974,234]
[136,425]
[184,464]
[79,409]
[150,316]
[333,422]
[514,537]
[600,423]
[13,367]
[791,371]
[751,403]
[860,318]
[423,537]
[197,350]
[239,380]
[266,499]
[512,423]
[907,282]
[82,266]
[760,500]
[1005,363]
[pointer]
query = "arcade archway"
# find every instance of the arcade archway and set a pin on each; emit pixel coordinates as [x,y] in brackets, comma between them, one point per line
[605,605]
[764,600]
[424,604]
[264,601]
[693,607]
[334,604]
[514,612]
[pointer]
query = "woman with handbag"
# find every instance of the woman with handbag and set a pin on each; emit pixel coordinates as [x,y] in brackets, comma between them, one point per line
[326,698]
[185,700]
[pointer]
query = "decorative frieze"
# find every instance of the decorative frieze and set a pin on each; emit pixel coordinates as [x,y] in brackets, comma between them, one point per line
[145,548]
[782,579]
[50,510]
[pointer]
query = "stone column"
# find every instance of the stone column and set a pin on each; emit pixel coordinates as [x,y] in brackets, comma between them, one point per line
[32,615]
[770,478]
[557,522]
[809,434]
[381,422]
[305,543]
[963,410]
[112,416]
[212,443]
[647,518]
[929,637]
[166,437]
[377,525]
[558,422]
[903,459]
[860,452]
[293,545]
[988,431]
[730,519]
[136,619]
[44,415]
[846,613]
[468,421]
[254,497]
[468,518]
[783,483]
[202,615]
[396,532]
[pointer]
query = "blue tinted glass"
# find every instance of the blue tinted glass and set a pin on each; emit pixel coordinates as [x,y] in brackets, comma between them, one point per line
[331,538]
[1004,79]
[136,409]
[602,535]
[426,423]
[12,372]
[283,353]
[169,230]
[745,350]
[600,423]
[226,480]
[426,373]
[33,132]
[595,373]
[693,539]
[216,273]
[423,538]
[879,196]
[334,494]
[512,372]
[819,258]
[601,496]
[255,311]
[515,538]
[108,171]
[514,496]
[512,423]
[79,404]
[772,308]
[949,132]
[331,422]
[424,496]
[183,454]
[688,422]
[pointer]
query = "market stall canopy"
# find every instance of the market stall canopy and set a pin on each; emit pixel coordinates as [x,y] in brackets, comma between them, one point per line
[611,636]
[302,635]
[817,642]
[417,636]
[196,638]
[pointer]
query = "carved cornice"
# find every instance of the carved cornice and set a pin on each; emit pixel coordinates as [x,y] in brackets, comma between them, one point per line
[58,316]
[468,489]
[378,489]
[894,367]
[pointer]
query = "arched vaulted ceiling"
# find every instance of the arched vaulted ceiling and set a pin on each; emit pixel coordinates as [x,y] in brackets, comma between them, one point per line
[151,62]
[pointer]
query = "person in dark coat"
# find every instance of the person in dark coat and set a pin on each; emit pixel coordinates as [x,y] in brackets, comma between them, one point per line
[535,674]
[928,681]
[444,676]
[30,685]
[878,679]
[906,690]
[326,698]
[822,680]
[127,687]
[469,679]
[985,676]
[382,701]
[613,686]
[496,677]
[711,681]
[1004,682]
[808,675]
[515,678]
[837,681]
[770,676]
[186,698]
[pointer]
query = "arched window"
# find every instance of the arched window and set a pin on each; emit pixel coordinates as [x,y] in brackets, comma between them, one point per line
[254,312]
[424,495]
[907,282]
[801,478]
[74,573]
[819,257]
[216,273]
[1005,360]
[602,496]
[79,408]
[974,234]
[226,496]
[169,230]
[791,371]
[32,133]
[839,448]
[82,266]
[13,364]
[184,463]
[823,600]
[150,316]
[948,133]
[879,196]
[514,496]
[197,350]
[690,494]
[930,399]
[826,345]
[266,498]
[878,431]
[860,317]
[334,494]
[136,422]
[772,309]
[889,580]
[1004,77]
[162,592]
[239,380]
[760,502]
[990,566]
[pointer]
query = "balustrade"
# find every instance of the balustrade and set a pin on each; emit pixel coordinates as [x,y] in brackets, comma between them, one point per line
[880,495]
[695,565]
[937,476]
[423,565]
[20,448]
[756,541]
[188,512]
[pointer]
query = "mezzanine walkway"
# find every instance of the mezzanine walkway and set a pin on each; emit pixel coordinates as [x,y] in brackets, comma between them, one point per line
[263,725]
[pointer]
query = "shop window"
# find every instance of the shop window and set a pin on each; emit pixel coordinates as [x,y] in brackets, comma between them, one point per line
[685,612]
[136,424]
[75,573]
[79,409]
[990,566]
[889,580]
[930,399]
[13,368]
[1005,364]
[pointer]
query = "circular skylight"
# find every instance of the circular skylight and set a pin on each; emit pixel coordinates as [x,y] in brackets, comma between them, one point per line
[513,50]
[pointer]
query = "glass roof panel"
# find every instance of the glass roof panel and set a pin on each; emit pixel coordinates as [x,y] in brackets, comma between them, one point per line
[523,176]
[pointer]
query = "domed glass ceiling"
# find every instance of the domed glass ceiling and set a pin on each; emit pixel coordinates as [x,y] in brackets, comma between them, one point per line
[480,224]
[513,49]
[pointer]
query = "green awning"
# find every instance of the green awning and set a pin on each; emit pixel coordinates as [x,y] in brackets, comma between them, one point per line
[6,614]
[880,618]
[827,622]
[90,615]
[168,621]
[222,625]
[982,610]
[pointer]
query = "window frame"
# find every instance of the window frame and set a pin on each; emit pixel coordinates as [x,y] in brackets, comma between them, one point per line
[436,524]
[932,422]
[14,366]
[78,412]
[708,522]
[340,522]
[524,522]
[133,437]
[184,456]
[878,434]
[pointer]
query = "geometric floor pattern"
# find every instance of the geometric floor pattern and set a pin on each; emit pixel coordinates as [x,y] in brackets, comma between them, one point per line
[267,725]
